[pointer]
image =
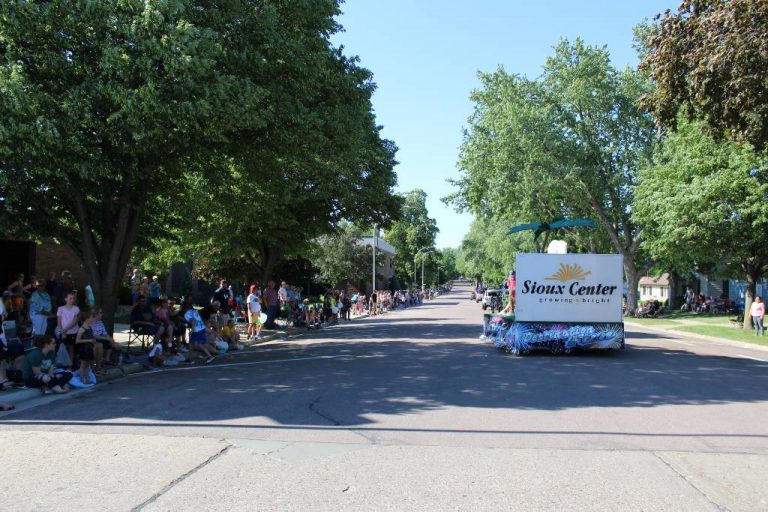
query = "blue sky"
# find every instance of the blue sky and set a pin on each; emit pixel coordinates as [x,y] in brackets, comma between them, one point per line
[425,55]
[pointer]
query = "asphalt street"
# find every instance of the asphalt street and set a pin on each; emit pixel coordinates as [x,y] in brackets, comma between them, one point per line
[404,411]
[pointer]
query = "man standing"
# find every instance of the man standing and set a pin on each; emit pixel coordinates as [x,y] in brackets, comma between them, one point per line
[372,307]
[272,301]
[135,283]
[154,288]
[223,295]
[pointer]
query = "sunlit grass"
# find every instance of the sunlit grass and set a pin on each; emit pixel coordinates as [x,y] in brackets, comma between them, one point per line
[745,335]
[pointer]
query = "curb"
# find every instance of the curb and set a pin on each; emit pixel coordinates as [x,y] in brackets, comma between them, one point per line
[694,337]
[18,396]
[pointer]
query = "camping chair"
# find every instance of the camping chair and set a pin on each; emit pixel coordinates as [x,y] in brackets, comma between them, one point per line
[12,334]
[134,335]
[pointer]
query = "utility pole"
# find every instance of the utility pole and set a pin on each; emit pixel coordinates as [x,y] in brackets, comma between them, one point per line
[428,249]
[422,275]
[373,280]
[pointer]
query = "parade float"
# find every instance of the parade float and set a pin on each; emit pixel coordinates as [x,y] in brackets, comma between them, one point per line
[563,302]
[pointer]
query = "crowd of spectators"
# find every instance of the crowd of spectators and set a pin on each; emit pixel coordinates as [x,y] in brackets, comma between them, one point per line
[47,340]
[71,344]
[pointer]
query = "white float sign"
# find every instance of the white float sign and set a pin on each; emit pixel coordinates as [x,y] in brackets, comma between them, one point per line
[569,288]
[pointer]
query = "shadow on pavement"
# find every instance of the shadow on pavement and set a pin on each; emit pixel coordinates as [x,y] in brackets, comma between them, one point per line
[347,383]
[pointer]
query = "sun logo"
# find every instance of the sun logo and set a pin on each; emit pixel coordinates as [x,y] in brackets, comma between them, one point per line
[568,273]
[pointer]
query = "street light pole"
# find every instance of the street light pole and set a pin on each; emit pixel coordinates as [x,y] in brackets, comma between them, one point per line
[428,249]
[422,275]
[373,279]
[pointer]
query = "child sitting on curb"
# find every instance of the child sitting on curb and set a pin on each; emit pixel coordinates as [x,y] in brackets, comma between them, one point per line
[156,354]
[213,334]
[230,335]
[40,365]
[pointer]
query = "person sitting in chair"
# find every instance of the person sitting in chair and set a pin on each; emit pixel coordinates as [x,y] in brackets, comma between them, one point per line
[143,321]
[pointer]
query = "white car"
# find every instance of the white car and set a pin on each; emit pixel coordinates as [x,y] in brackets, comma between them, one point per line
[488,297]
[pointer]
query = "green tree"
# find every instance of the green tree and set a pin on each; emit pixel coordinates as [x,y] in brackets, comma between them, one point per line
[704,204]
[413,236]
[487,253]
[566,145]
[710,60]
[108,106]
[447,261]
[340,258]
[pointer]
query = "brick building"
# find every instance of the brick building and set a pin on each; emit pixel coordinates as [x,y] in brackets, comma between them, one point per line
[32,258]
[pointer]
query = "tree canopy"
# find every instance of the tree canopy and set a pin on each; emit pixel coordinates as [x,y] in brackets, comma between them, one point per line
[487,253]
[710,60]
[412,235]
[340,258]
[704,206]
[567,145]
[112,108]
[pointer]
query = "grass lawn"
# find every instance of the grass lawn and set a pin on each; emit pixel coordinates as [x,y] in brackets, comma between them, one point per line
[723,320]
[745,335]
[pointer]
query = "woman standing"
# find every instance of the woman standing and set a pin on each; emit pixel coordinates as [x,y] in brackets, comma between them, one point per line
[758,312]
[66,318]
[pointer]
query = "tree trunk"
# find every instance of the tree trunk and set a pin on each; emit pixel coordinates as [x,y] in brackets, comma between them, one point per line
[270,259]
[633,279]
[674,291]
[627,243]
[753,276]
[106,256]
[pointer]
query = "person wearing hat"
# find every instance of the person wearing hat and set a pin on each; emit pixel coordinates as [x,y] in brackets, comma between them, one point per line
[253,303]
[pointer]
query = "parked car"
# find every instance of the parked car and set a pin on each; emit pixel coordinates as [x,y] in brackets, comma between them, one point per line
[492,298]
